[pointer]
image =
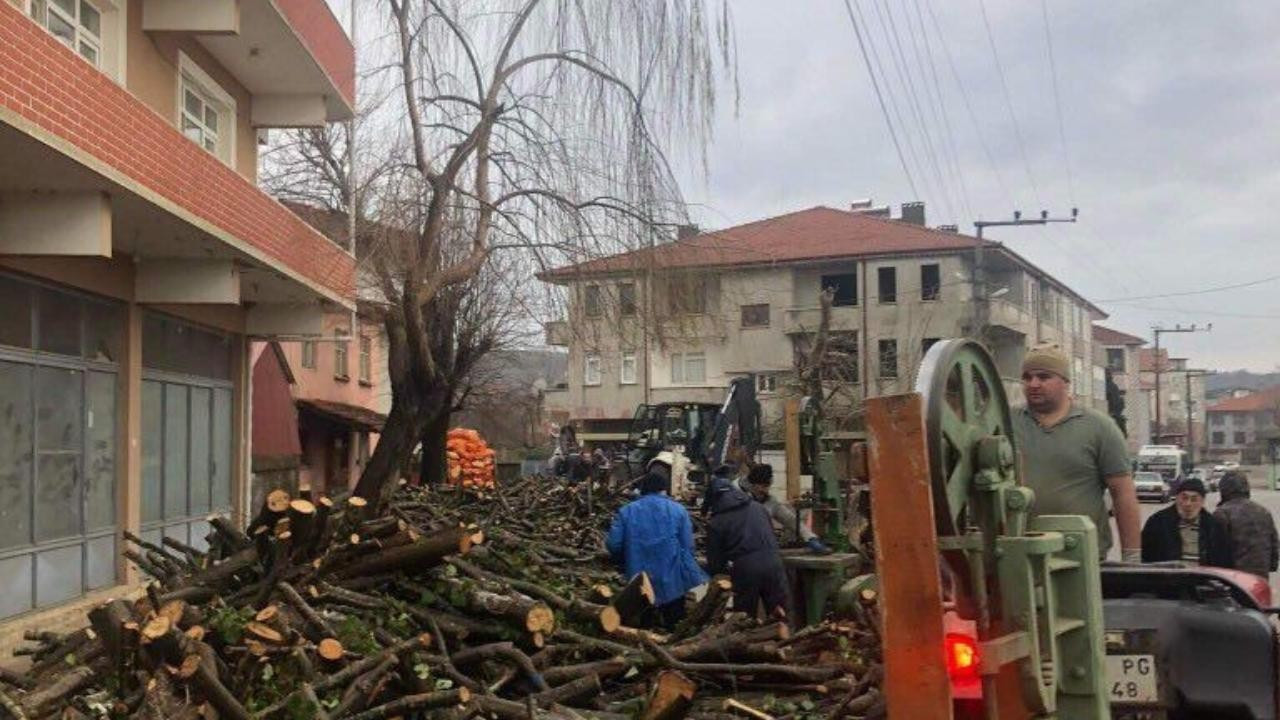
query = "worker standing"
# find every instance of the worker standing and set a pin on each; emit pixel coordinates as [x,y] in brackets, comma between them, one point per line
[740,538]
[654,534]
[1071,455]
[1184,531]
[1249,527]
[756,483]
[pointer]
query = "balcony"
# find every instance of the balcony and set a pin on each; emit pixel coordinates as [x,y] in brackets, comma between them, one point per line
[1011,316]
[76,146]
[804,319]
[292,55]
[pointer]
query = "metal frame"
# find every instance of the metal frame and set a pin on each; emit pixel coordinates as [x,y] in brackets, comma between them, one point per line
[36,359]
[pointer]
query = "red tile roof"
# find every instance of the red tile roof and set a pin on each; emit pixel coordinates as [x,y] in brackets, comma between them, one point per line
[345,413]
[1107,336]
[817,233]
[1264,399]
[814,234]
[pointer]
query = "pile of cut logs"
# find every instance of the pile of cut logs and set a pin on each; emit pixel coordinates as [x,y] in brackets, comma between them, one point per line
[446,604]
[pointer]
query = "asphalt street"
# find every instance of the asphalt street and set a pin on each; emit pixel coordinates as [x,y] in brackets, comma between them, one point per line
[1270,499]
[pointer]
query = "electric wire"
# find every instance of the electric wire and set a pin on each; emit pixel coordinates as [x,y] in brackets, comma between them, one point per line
[1008,101]
[942,114]
[880,98]
[1057,101]
[1202,291]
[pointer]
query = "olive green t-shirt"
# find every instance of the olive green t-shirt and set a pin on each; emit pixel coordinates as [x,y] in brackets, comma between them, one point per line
[1067,465]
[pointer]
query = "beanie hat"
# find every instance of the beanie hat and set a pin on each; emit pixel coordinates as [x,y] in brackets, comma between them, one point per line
[761,474]
[1192,485]
[1047,357]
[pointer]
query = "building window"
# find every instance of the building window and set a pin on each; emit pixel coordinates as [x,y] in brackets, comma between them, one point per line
[755,315]
[627,299]
[1240,438]
[591,301]
[888,358]
[1219,438]
[1216,419]
[925,344]
[930,282]
[1115,359]
[206,113]
[687,295]
[340,369]
[887,279]
[766,384]
[309,354]
[77,23]
[845,286]
[688,368]
[366,359]
[627,376]
[591,370]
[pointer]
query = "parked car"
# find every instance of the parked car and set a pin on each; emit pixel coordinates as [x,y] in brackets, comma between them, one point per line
[1205,476]
[1150,486]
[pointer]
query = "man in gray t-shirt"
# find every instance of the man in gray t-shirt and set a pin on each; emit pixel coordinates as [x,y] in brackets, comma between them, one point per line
[1071,455]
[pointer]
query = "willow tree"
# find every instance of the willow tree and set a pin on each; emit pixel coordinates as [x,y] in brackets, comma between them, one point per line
[539,128]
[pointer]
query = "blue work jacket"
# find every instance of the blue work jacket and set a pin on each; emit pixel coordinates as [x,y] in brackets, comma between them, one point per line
[655,535]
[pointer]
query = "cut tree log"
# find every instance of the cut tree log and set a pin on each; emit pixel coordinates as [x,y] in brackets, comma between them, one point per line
[427,552]
[532,615]
[671,697]
[412,705]
[635,600]
[329,649]
[712,605]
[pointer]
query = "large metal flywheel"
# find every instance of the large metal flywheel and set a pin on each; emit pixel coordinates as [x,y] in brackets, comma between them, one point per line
[968,427]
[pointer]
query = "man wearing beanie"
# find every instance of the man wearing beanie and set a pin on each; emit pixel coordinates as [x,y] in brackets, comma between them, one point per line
[1071,455]
[1185,532]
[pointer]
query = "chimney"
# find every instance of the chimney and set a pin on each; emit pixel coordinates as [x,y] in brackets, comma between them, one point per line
[913,212]
[880,212]
[863,204]
[684,232]
[949,228]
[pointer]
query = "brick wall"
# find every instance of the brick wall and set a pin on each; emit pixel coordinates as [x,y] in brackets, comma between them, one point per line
[45,83]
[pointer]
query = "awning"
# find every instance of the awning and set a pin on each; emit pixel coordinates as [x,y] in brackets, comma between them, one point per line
[352,415]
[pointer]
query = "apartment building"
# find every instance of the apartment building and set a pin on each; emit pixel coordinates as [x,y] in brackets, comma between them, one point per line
[1180,417]
[1121,359]
[677,322]
[1245,428]
[137,256]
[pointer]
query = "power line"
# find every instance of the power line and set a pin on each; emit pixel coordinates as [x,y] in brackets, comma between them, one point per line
[949,144]
[968,105]
[1206,313]
[1008,101]
[894,41]
[880,97]
[1202,291]
[1057,101]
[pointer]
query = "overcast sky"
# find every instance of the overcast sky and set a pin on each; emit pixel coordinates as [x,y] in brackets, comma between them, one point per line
[1169,112]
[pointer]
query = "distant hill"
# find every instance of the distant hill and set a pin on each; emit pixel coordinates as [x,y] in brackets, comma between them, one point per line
[1231,379]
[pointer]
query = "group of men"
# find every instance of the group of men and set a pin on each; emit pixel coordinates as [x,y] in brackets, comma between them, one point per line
[1073,455]
[654,534]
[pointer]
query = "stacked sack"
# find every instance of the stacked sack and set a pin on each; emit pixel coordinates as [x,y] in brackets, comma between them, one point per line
[471,460]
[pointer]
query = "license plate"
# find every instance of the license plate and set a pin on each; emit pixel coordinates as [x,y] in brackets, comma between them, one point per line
[1132,679]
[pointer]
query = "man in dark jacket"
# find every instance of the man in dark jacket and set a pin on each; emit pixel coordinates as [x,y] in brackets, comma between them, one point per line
[1255,547]
[1184,531]
[740,537]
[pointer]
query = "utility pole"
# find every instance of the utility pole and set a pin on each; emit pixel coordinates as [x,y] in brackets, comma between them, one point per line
[981,299]
[1191,438]
[1158,364]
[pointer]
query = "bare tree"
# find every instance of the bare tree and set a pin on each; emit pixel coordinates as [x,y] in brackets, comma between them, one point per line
[536,128]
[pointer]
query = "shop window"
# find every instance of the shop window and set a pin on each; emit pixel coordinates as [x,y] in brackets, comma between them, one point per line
[58,321]
[171,345]
[15,321]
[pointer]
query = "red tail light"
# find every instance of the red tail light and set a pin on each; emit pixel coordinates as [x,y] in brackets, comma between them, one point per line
[962,656]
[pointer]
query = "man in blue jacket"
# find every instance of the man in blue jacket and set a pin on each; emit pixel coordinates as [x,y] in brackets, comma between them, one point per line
[654,535]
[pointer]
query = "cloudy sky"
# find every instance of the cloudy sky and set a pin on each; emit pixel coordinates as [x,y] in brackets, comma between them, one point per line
[1169,111]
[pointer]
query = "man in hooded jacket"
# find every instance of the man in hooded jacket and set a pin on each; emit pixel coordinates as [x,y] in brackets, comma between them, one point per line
[654,535]
[1249,526]
[740,537]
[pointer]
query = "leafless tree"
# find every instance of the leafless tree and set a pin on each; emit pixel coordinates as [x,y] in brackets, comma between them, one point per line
[530,129]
